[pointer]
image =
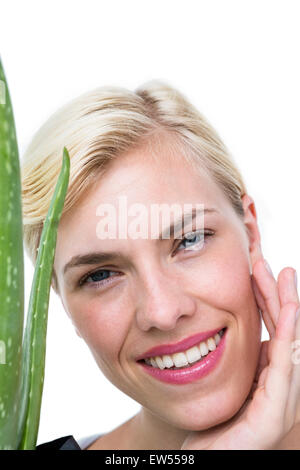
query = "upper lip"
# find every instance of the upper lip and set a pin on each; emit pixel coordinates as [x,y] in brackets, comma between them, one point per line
[186,343]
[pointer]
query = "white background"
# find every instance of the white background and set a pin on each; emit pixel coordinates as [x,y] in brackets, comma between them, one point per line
[237,61]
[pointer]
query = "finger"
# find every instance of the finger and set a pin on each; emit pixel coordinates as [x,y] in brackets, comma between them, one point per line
[263,362]
[268,288]
[263,308]
[280,369]
[287,286]
[293,406]
[288,292]
[294,398]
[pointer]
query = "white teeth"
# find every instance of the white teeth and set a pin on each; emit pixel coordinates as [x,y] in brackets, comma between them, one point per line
[159,362]
[167,360]
[189,356]
[180,359]
[203,348]
[153,363]
[211,344]
[193,354]
[217,338]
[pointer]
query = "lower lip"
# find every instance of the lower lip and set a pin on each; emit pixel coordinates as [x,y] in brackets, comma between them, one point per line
[192,373]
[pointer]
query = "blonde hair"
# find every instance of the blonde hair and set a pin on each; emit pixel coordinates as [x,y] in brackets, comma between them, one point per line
[98,127]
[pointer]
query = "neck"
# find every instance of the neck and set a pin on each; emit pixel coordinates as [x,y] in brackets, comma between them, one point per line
[147,431]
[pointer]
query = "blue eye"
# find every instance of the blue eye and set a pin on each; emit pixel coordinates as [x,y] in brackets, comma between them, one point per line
[98,277]
[101,277]
[195,240]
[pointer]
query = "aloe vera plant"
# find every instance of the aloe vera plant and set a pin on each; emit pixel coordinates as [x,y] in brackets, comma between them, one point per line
[22,357]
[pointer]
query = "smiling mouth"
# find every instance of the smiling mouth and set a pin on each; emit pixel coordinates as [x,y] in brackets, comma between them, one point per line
[185,358]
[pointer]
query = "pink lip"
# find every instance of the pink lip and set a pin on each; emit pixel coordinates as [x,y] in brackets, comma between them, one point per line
[180,346]
[192,373]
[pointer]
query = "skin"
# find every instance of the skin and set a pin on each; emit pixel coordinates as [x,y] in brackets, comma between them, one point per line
[153,298]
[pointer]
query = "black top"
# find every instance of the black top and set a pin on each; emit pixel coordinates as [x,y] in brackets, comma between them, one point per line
[62,443]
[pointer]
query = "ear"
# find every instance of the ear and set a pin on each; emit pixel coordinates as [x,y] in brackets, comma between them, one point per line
[250,221]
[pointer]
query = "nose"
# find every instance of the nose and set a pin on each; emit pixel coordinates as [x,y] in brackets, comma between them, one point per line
[163,301]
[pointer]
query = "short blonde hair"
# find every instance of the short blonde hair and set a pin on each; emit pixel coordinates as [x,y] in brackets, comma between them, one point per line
[98,127]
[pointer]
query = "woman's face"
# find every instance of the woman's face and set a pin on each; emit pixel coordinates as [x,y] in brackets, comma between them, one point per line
[157,292]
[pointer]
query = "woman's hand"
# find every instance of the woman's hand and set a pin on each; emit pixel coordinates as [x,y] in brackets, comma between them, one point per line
[272,407]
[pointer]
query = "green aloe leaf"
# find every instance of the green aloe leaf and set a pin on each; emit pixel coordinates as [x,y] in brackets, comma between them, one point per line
[11,272]
[34,349]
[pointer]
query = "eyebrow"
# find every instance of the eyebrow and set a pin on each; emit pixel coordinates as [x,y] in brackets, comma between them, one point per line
[104,257]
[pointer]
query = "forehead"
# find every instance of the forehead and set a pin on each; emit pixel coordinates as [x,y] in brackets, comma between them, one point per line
[143,176]
[152,176]
[146,177]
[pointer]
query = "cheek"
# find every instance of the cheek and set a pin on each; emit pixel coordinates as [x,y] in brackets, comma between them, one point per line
[222,278]
[103,328]
[223,282]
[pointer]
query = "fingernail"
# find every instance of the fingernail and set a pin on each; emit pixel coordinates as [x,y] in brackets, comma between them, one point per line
[268,268]
[296,280]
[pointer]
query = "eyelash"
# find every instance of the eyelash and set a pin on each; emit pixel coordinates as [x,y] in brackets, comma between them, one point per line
[83,280]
